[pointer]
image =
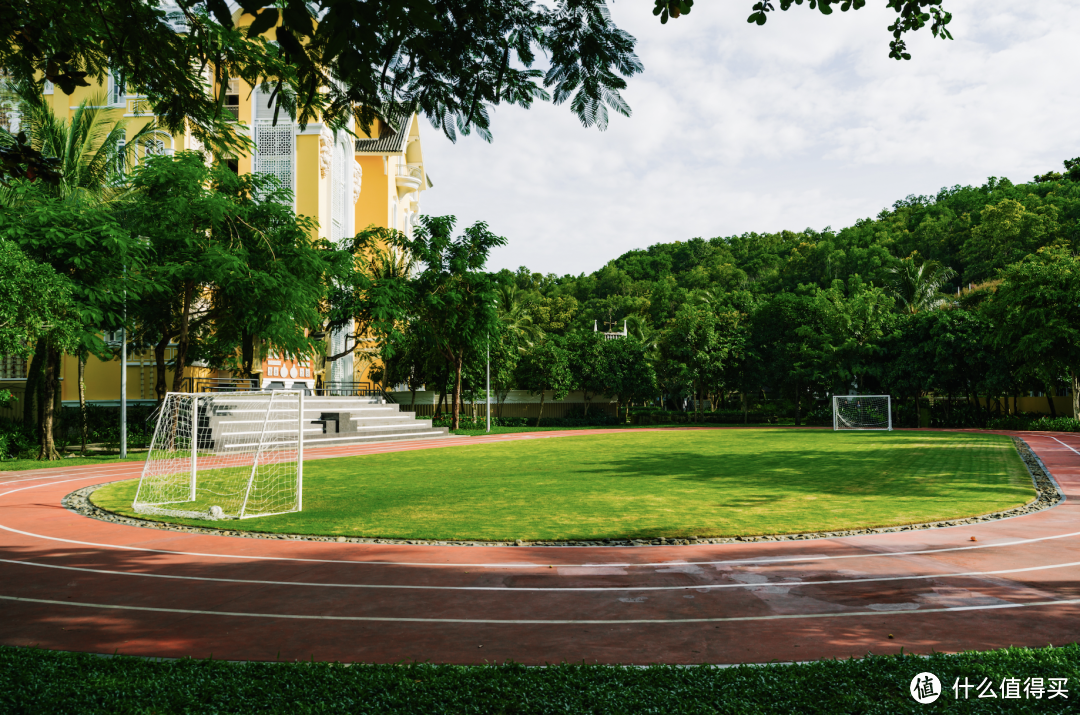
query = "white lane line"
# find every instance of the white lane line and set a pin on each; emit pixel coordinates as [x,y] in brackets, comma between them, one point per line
[551,589]
[1062,443]
[763,560]
[106,474]
[553,622]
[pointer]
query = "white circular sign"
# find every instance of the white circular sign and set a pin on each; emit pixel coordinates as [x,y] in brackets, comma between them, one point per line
[292,371]
[925,688]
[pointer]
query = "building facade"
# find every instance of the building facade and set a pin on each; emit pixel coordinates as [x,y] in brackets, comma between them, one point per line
[346,182]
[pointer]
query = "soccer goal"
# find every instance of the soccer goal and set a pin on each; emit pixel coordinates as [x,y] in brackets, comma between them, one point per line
[231,455]
[865,412]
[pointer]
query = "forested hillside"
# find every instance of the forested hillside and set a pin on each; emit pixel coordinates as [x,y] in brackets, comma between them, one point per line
[973,291]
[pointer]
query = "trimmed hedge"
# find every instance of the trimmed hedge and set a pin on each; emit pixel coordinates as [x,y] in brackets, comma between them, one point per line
[1043,423]
[45,682]
[601,420]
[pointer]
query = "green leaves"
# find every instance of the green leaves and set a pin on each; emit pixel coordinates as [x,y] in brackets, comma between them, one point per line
[912,15]
[263,22]
[672,8]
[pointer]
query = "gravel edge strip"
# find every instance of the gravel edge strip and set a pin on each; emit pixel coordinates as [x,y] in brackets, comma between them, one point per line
[1047,493]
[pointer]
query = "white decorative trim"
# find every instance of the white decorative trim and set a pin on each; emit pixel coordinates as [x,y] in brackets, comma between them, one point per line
[326,150]
[357,180]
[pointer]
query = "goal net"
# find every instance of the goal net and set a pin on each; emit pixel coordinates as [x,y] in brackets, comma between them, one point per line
[867,412]
[230,455]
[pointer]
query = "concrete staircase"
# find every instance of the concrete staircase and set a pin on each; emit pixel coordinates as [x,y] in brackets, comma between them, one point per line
[358,420]
[236,424]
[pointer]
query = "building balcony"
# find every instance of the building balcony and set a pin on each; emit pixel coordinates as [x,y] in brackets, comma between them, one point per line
[409,179]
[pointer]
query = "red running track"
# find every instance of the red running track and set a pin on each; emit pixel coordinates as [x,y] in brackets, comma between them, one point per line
[74,583]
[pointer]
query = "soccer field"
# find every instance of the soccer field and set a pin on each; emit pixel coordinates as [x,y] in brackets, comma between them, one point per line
[642,484]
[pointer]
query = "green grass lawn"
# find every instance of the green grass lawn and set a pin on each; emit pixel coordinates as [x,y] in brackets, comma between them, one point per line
[44,682]
[671,483]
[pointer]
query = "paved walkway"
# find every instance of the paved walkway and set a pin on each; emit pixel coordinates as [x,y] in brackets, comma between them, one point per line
[69,582]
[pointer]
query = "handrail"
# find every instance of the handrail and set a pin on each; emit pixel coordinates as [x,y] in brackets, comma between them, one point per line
[219,384]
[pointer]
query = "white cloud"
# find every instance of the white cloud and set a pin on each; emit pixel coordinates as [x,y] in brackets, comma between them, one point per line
[804,122]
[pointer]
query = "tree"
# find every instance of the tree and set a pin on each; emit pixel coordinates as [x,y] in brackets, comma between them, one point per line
[85,244]
[1036,312]
[452,295]
[34,302]
[189,259]
[702,342]
[516,317]
[86,154]
[911,15]
[586,349]
[330,59]
[88,151]
[787,346]
[452,60]
[916,284]
[276,280]
[856,318]
[545,367]
[625,371]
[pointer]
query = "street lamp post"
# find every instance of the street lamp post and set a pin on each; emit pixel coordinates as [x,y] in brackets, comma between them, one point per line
[488,411]
[123,376]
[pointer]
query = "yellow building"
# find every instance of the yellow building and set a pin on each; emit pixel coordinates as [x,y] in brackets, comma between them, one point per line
[347,183]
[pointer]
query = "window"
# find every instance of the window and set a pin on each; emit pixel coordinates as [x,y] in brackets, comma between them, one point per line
[47,88]
[232,99]
[12,367]
[121,158]
[154,145]
[116,88]
[233,164]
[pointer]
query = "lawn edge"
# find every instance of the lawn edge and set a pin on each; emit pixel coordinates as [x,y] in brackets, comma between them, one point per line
[1048,494]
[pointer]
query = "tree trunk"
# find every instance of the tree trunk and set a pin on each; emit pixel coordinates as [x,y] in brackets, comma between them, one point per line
[1050,400]
[798,403]
[439,404]
[31,399]
[247,353]
[541,412]
[455,414]
[745,408]
[159,367]
[183,340]
[1076,395]
[82,401]
[51,383]
[585,396]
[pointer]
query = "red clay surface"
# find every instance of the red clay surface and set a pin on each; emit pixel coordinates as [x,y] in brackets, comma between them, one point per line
[74,583]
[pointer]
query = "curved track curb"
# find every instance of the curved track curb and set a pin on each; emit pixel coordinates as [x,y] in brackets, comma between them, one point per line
[1047,494]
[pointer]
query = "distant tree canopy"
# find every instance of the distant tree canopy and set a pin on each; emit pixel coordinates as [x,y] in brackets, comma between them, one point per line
[972,291]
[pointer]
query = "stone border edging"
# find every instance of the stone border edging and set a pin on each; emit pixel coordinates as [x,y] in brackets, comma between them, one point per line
[1047,492]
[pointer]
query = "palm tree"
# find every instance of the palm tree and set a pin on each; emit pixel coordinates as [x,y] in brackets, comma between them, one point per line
[649,336]
[917,284]
[516,317]
[91,148]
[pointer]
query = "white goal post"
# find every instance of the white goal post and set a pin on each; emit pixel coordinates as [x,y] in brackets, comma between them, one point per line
[233,455]
[862,412]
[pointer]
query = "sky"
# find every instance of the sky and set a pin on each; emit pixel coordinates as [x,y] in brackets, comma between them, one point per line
[804,122]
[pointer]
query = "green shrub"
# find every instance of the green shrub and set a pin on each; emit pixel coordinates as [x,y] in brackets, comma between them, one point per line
[1036,422]
[46,682]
